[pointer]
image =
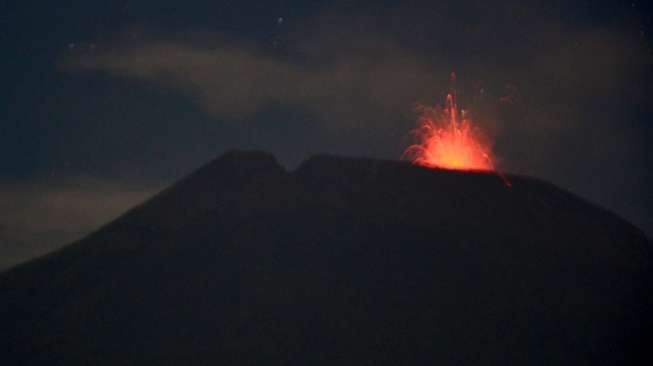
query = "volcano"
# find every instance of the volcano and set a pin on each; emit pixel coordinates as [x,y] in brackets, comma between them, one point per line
[343,261]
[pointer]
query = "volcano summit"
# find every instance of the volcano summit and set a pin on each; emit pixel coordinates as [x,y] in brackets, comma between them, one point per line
[341,262]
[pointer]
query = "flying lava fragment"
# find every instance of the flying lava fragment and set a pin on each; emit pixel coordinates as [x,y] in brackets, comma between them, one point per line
[447,138]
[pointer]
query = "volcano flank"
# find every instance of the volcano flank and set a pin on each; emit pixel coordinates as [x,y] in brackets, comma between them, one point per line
[341,262]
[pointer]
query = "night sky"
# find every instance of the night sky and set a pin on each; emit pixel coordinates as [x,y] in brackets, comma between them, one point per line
[106,102]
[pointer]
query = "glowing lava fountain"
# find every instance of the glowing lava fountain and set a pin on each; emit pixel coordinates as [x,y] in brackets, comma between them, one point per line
[446,138]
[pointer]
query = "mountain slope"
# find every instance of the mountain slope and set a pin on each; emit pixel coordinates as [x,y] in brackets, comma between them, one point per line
[343,261]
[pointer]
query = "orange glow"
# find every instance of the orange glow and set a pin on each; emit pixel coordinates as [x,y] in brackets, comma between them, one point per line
[446,138]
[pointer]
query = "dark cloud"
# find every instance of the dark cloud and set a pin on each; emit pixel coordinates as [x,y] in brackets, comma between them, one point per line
[351,71]
[37,218]
[364,85]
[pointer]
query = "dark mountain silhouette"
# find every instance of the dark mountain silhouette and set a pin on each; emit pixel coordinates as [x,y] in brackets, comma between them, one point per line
[341,262]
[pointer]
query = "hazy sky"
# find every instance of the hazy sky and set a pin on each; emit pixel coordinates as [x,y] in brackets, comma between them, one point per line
[105,102]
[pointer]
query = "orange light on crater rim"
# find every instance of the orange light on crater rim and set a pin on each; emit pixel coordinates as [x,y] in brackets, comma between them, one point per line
[446,138]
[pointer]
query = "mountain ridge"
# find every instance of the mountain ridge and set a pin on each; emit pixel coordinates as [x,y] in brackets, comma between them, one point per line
[343,260]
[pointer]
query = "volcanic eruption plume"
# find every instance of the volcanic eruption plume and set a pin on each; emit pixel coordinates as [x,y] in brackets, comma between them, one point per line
[447,138]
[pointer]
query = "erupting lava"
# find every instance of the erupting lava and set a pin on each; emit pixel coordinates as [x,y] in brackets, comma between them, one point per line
[446,138]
